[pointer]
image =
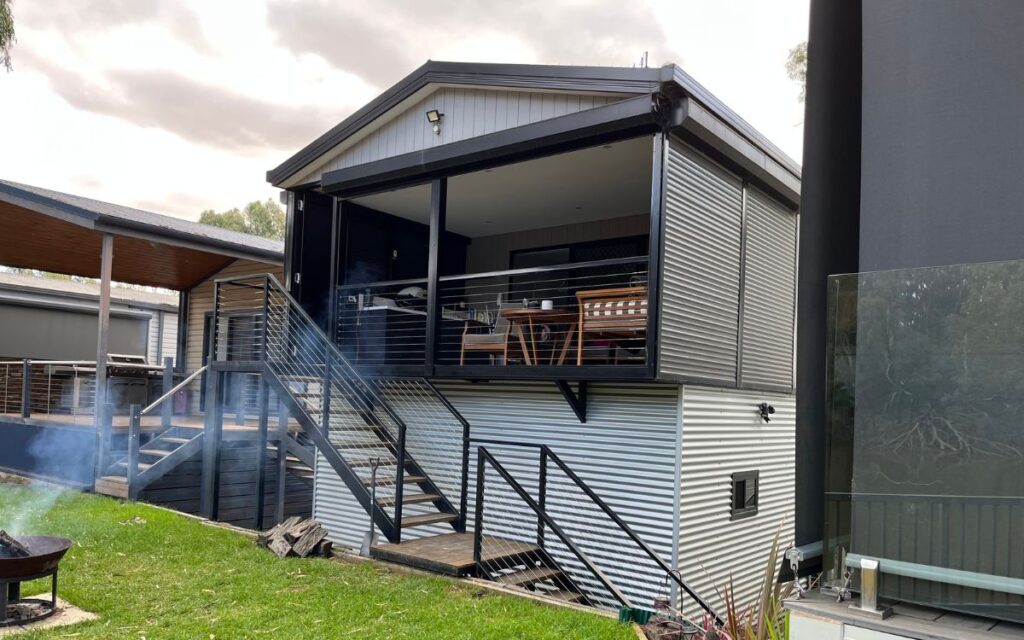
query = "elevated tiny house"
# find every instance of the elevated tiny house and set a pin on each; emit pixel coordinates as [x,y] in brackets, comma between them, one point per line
[544,313]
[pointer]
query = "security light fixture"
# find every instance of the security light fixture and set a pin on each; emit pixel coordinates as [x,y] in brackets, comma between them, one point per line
[434,118]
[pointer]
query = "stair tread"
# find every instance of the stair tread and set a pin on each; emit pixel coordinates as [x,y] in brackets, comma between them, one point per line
[142,465]
[383,482]
[414,498]
[117,479]
[528,576]
[427,518]
[156,452]
[174,440]
[564,595]
[361,445]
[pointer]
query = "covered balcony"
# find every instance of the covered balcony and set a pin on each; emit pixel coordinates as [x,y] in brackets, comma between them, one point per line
[542,270]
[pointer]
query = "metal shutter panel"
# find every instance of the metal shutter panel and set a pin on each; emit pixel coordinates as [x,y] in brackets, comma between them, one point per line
[701,268]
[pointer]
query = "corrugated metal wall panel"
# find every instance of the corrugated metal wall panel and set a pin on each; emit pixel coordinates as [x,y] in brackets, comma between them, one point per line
[468,113]
[723,434]
[701,268]
[769,292]
[626,452]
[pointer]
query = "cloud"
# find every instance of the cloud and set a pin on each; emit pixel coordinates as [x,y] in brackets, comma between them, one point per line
[195,111]
[382,41]
[87,17]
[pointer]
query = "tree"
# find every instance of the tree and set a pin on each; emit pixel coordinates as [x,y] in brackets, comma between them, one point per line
[6,33]
[258,218]
[796,67]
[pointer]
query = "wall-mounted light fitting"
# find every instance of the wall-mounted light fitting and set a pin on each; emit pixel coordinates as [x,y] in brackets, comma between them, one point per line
[434,118]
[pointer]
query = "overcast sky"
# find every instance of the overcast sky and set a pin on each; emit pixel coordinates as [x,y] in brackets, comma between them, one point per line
[176,106]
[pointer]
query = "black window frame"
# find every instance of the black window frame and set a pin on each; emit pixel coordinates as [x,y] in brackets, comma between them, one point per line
[747,506]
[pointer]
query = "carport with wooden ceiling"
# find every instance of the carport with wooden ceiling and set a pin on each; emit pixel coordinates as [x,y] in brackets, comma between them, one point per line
[68,234]
[135,441]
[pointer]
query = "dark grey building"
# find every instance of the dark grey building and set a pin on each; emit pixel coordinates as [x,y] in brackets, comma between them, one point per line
[912,162]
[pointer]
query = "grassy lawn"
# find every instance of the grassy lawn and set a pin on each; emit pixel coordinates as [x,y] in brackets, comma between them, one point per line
[153,574]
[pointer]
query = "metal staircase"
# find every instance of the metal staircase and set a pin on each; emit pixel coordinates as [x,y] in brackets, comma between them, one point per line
[552,534]
[344,415]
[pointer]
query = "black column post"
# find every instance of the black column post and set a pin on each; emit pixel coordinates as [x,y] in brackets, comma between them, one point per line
[210,483]
[26,388]
[282,465]
[166,411]
[654,244]
[261,453]
[438,209]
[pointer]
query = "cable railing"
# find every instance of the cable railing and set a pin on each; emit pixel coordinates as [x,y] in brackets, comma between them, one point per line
[65,390]
[256,320]
[593,527]
[590,313]
[512,537]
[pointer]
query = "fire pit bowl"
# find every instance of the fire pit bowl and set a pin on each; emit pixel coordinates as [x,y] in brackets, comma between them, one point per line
[46,552]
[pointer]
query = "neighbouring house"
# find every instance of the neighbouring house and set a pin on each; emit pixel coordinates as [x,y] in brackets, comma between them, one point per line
[154,343]
[538,322]
[910,457]
[56,319]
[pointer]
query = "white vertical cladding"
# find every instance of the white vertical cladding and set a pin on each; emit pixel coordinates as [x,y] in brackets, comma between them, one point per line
[153,339]
[626,452]
[724,434]
[468,112]
[170,337]
[769,293]
[701,268]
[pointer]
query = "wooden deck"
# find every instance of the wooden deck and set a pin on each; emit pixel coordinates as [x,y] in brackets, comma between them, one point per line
[450,554]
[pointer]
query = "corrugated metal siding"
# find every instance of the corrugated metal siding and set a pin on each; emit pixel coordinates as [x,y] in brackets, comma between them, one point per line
[467,113]
[769,292]
[626,452]
[701,268]
[723,434]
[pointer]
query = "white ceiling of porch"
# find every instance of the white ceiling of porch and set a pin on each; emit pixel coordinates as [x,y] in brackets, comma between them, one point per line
[598,183]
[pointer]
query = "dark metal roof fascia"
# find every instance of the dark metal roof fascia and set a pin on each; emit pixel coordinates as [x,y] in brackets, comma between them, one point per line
[46,206]
[187,240]
[697,91]
[702,123]
[598,79]
[626,116]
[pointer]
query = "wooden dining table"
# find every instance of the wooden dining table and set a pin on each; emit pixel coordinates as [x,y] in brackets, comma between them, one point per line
[531,318]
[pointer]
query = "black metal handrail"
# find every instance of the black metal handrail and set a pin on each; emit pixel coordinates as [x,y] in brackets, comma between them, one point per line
[547,453]
[610,262]
[484,457]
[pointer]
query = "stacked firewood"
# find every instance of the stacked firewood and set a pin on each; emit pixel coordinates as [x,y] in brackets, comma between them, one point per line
[297,537]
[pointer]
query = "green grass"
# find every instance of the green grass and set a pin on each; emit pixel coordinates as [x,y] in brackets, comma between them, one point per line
[174,577]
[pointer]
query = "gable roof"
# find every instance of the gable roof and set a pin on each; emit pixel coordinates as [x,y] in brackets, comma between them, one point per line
[97,213]
[630,81]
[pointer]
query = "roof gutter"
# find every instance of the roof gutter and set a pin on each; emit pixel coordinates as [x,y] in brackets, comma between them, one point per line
[619,120]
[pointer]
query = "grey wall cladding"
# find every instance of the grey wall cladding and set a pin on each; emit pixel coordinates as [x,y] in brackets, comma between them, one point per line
[701,268]
[725,242]
[769,293]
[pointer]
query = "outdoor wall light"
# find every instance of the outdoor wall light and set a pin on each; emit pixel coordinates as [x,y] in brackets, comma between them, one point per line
[434,118]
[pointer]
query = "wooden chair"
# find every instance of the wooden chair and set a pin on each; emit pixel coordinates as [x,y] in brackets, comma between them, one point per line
[611,313]
[493,343]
